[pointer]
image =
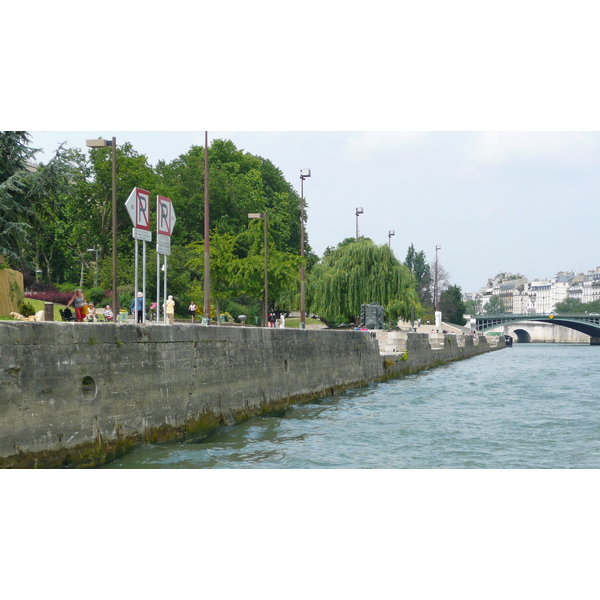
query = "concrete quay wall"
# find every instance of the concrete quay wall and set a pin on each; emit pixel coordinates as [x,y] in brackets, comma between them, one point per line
[81,394]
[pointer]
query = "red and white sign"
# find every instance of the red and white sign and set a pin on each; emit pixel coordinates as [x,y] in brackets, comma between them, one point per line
[138,207]
[165,222]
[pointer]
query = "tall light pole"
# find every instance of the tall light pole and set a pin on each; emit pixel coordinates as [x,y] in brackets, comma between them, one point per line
[359,211]
[96,277]
[266,296]
[206,320]
[436,279]
[304,173]
[100,143]
[391,232]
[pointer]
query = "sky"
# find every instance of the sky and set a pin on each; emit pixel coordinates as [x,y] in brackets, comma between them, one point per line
[519,202]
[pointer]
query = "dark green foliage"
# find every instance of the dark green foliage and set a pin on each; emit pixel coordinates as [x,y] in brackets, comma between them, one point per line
[26,309]
[452,306]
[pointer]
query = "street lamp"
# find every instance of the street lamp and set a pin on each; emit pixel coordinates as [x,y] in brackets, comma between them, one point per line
[359,211]
[266,298]
[390,234]
[96,251]
[435,287]
[101,143]
[38,274]
[304,174]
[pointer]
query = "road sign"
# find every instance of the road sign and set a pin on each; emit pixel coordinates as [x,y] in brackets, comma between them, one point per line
[165,221]
[165,216]
[138,207]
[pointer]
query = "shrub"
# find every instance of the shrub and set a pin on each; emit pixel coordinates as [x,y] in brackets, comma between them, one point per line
[52,296]
[26,309]
[95,295]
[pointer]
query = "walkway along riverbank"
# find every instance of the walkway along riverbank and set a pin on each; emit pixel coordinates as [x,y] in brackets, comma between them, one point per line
[82,394]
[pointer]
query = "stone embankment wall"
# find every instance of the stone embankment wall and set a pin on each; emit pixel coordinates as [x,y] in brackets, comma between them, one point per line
[81,394]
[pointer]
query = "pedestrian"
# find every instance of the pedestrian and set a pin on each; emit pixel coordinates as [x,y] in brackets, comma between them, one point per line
[170,310]
[272,319]
[192,310]
[153,308]
[282,321]
[78,301]
[140,307]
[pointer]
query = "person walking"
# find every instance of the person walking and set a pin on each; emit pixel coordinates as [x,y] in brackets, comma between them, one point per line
[192,310]
[139,307]
[170,310]
[282,321]
[272,319]
[78,301]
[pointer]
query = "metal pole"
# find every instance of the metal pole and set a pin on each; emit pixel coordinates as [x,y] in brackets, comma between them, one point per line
[302,274]
[136,280]
[165,289]
[266,308]
[144,282]
[157,285]
[206,236]
[436,278]
[115,298]
[96,278]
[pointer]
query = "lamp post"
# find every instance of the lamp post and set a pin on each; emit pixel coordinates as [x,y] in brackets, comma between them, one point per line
[304,173]
[390,234]
[206,319]
[96,251]
[266,298]
[359,211]
[435,287]
[101,143]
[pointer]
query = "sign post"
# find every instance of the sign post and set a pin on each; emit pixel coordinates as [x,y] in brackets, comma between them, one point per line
[138,207]
[165,221]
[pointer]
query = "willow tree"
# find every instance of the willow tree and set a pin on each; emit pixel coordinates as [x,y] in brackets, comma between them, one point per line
[361,273]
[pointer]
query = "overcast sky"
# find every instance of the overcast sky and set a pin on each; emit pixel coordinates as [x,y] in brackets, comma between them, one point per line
[494,201]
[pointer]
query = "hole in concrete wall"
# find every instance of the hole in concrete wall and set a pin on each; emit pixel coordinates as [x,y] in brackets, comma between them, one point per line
[88,388]
[523,336]
[286,366]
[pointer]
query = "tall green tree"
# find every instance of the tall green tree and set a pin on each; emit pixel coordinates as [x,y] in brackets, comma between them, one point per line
[417,264]
[28,196]
[361,273]
[452,305]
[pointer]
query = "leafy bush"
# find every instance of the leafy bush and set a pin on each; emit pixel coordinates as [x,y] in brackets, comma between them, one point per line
[95,295]
[26,309]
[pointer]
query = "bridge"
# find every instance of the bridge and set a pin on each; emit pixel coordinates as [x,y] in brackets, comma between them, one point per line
[585,323]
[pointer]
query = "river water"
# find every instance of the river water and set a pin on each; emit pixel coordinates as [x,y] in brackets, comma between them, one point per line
[529,406]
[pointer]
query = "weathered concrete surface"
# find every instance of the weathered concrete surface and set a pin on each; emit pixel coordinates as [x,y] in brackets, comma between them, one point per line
[82,393]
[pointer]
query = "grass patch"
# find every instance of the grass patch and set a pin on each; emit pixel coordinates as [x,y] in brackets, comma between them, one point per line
[295,322]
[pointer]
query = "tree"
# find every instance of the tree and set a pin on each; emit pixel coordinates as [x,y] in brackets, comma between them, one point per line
[28,196]
[452,306]
[417,263]
[494,306]
[361,273]
[473,307]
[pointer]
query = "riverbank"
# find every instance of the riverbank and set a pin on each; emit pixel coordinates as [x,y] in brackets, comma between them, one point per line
[82,394]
